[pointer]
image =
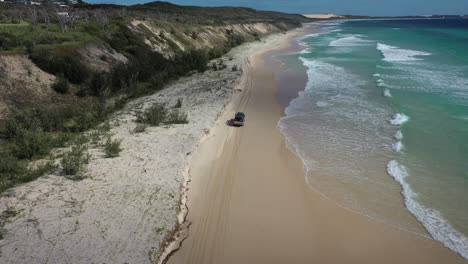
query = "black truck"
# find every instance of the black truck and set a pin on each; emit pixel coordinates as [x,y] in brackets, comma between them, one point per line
[239,119]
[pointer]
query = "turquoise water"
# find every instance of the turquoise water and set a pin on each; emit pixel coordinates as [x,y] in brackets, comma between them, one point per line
[385,112]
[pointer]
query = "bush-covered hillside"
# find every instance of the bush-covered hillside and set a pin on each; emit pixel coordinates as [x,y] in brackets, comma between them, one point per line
[89,60]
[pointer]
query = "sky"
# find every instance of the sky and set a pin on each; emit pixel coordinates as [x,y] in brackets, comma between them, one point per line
[348,7]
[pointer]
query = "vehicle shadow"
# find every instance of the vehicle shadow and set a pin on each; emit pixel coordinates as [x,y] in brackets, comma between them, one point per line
[230,123]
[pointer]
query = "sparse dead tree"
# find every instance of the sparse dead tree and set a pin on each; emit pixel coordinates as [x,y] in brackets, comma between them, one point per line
[83,15]
[45,18]
[123,12]
[33,15]
[18,14]
[63,19]
[73,16]
[101,18]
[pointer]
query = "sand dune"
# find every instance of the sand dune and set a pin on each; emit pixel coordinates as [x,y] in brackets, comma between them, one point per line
[323,16]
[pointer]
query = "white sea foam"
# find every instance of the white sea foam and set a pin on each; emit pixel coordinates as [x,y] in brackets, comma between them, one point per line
[324,32]
[399,135]
[387,93]
[305,51]
[376,75]
[302,44]
[399,119]
[381,84]
[313,35]
[432,219]
[397,146]
[395,54]
[321,104]
[380,81]
[349,40]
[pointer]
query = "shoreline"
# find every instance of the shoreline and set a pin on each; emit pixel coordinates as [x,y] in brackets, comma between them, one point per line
[287,93]
[216,225]
[411,217]
[182,231]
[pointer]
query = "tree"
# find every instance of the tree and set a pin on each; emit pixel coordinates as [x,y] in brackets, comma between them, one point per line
[101,18]
[45,18]
[33,15]
[63,19]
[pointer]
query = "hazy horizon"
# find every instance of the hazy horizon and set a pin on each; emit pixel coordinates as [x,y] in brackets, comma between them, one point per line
[355,7]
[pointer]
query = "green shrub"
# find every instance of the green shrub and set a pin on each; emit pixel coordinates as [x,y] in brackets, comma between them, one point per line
[158,80]
[49,119]
[234,40]
[153,116]
[140,128]
[28,143]
[112,147]
[74,160]
[217,52]
[158,114]
[95,137]
[61,140]
[13,171]
[234,68]
[10,165]
[256,36]
[61,85]
[197,60]
[67,65]
[178,104]
[100,84]
[5,217]
[9,41]
[92,28]
[84,115]
[175,117]
[33,174]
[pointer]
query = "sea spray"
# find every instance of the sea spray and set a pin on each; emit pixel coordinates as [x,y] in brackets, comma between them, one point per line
[399,135]
[387,93]
[395,54]
[349,40]
[399,119]
[397,146]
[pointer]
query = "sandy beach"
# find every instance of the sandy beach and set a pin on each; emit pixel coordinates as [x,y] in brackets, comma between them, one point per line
[248,200]
[126,207]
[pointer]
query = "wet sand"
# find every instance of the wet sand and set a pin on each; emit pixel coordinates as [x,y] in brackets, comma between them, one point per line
[249,202]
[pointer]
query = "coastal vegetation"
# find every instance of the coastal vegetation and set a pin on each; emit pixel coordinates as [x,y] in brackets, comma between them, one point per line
[54,41]
[159,114]
[112,147]
[74,160]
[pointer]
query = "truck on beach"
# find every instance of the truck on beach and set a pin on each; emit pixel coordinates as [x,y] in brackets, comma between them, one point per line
[239,119]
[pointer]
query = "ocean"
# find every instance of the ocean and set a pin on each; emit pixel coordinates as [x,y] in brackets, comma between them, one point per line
[382,124]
